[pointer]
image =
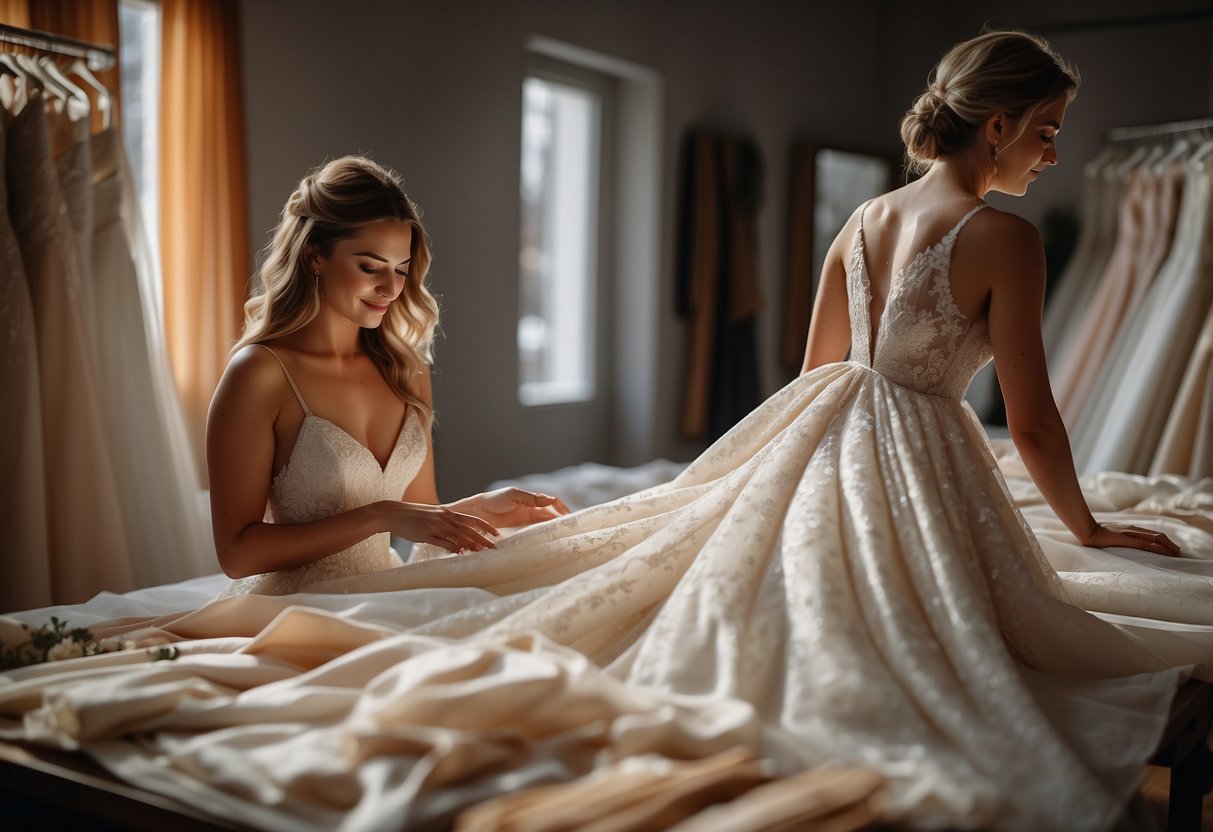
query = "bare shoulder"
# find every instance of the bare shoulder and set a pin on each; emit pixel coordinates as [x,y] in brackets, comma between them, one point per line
[252,382]
[847,234]
[1003,233]
[1006,246]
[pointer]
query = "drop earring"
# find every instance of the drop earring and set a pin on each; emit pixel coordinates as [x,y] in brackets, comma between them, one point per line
[316,278]
[995,160]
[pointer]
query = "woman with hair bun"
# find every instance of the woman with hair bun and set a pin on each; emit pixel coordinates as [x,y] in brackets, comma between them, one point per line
[322,419]
[841,581]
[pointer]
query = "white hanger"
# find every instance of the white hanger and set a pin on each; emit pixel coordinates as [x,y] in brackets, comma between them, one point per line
[14,85]
[77,101]
[1201,152]
[104,97]
[9,66]
[1178,151]
[39,79]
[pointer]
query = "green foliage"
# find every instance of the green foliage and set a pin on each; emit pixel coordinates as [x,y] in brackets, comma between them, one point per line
[42,642]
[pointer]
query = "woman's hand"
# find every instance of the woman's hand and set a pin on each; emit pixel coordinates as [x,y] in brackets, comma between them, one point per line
[1134,537]
[512,507]
[455,530]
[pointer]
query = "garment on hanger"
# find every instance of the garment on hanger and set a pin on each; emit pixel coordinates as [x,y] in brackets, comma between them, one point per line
[157,488]
[87,543]
[1186,447]
[1147,227]
[1123,420]
[24,568]
[1080,276]
[718,280]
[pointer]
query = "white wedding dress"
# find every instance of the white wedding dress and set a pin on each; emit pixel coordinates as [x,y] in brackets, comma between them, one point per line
[842,579]
[330,472]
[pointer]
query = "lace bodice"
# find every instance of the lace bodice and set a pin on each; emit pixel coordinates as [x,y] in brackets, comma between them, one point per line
[330,472]
[922,340]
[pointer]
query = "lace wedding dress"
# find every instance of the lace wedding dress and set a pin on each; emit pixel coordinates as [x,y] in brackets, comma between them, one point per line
[330,472]
[841,580]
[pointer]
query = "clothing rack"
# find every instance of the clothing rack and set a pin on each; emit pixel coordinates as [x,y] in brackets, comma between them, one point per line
[100,57]
[1200,128]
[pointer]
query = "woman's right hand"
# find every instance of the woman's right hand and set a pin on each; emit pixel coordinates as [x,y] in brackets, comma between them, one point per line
[1134,537]
[438,525]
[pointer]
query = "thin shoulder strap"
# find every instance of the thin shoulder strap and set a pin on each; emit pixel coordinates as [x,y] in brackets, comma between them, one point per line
[965,219]
[290,380]
[863,209]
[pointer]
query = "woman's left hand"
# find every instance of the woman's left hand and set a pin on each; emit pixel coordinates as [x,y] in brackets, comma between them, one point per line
[512,507]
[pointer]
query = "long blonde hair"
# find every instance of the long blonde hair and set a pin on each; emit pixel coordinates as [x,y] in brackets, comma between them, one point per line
[330,204]
[1006,71]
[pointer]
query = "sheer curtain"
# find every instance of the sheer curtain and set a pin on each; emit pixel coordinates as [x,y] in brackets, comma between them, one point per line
[203,205]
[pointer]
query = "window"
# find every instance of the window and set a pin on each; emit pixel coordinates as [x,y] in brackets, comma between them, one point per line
[558,256]
[139,58]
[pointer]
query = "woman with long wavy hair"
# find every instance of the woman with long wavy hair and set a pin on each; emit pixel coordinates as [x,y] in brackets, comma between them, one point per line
[324,414]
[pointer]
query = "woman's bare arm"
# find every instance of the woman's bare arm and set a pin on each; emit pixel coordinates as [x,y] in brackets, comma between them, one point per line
[1016,274]
[240,457]
[830,327]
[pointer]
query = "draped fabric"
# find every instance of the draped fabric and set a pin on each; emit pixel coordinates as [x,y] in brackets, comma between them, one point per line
[1187,443]
[102,494]
[15,13]
[203,209]
[1123,330]
[25,579]
[718,280]
[801,280]
[841,581]
[86,537]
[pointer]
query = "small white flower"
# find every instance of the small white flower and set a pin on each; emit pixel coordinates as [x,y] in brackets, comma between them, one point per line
[69,648]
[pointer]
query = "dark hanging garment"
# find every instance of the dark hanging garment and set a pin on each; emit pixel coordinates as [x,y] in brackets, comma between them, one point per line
[717,280]
[800,276]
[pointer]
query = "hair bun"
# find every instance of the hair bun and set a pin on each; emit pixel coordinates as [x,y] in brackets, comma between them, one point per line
[932,128]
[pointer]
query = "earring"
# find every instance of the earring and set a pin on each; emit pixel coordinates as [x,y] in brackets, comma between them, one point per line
[996,160]
[316,276]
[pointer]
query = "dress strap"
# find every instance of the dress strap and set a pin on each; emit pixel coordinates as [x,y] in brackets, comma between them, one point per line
[965,219]
[290,380]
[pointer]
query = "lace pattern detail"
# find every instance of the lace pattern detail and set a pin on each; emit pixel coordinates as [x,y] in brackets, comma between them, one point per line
[330,472]
[922,341]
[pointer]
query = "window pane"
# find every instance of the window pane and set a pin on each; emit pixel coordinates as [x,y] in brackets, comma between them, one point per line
[558,254]
[139,57]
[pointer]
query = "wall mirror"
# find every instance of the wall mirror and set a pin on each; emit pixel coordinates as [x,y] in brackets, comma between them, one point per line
[828,183]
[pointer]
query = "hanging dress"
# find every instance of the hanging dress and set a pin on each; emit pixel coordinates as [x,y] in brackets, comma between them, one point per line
[87,543]
[24,568]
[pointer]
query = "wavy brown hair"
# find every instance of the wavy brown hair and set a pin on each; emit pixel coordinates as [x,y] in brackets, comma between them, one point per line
[1005,71]
[331,203]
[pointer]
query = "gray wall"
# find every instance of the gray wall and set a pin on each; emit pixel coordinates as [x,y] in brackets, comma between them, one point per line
[1139,74]
[433,89]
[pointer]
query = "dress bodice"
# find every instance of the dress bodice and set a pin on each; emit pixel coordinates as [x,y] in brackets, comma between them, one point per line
[922,340]
[330,472]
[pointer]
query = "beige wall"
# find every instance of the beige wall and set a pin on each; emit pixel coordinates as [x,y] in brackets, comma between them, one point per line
[432,87]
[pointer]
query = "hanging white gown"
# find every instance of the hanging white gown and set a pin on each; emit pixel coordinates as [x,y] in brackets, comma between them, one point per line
[167,537]
[842,579]
[24,566]
[1123,420]
[1186,447]
[1103,189]
[85,535]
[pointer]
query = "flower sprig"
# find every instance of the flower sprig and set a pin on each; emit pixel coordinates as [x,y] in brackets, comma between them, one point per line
[53,642]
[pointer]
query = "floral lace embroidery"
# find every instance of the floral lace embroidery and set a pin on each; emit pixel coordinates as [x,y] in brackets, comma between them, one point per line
[330,472]
[922,341]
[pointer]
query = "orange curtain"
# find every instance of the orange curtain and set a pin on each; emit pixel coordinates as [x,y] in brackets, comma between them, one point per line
[91,20]
[203,205]
[15,13]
